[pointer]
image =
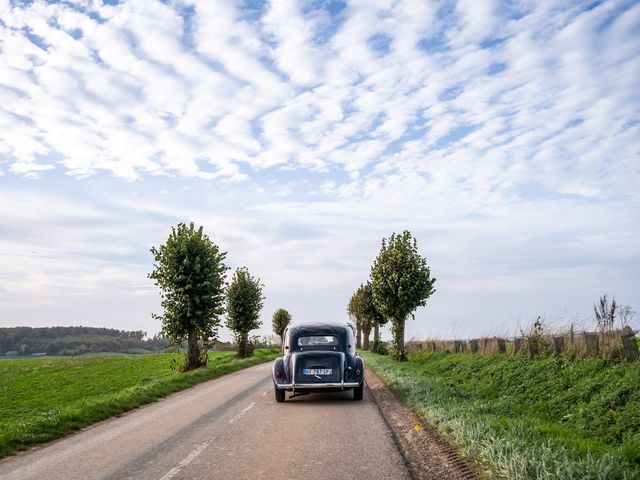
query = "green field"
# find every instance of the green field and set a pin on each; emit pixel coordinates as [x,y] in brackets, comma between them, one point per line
[551,418]
[45,398]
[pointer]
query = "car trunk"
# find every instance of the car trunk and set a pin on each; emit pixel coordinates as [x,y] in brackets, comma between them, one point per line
[318,367]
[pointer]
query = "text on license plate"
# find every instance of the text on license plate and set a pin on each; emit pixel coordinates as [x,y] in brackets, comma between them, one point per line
[317,371]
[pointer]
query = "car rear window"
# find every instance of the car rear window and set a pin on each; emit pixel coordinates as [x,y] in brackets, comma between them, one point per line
[317,341]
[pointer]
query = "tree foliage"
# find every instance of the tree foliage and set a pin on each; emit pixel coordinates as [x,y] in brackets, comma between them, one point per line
[281,318]
[353,310]
[244,302]
[190,272]
[401,282]
[372,317]
[361,308]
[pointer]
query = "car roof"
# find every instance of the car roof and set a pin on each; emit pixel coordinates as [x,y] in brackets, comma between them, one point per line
[319,328]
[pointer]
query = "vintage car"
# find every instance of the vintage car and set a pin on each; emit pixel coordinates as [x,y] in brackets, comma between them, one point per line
[318,357]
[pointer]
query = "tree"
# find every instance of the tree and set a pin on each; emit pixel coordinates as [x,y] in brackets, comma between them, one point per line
[373,316]
[354,314]
[358,309]
[244,302]
[626,315]
[190,272]
[401,282]
[281,318]
[366,319]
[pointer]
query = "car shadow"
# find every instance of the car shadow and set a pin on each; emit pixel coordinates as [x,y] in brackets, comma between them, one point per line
[322,397]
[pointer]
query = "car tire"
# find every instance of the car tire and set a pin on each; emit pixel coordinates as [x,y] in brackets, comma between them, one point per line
[358,392]
[280,394]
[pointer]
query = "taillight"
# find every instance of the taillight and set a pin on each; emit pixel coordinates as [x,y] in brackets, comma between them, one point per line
[278,375]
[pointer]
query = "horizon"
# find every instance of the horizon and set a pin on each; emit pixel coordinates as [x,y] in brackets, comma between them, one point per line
[505,137]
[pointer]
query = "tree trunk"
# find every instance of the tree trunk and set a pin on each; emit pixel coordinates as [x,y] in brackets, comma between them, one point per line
[358,337]
[365,338]
[376,336]
[193,351]
[398,335]
[242,345]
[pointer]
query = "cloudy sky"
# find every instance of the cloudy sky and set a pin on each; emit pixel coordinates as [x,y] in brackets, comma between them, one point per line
[505,136]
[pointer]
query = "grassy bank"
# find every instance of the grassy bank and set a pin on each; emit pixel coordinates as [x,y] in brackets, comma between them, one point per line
[550,418]
[44,399]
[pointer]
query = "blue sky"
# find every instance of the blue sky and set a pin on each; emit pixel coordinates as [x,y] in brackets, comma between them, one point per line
[504,135]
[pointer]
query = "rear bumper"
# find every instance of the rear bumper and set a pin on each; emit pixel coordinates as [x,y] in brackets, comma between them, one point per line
[310,386]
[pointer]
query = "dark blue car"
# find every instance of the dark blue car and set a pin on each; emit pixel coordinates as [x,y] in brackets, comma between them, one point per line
[318,357]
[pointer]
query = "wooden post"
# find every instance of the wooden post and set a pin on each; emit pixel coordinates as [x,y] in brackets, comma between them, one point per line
[558,345]
[591,341]
[629,344]
[517,344]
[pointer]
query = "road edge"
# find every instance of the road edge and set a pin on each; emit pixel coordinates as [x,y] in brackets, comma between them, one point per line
[426,453]
[16,452]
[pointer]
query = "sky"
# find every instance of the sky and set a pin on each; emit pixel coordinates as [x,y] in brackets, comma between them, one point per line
[504,135]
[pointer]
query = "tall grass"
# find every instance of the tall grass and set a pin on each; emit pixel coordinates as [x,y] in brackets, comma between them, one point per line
[43,399]
[550,418]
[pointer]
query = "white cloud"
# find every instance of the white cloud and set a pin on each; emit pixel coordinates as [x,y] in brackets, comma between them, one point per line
[478,19]
[158,88]
[294,53]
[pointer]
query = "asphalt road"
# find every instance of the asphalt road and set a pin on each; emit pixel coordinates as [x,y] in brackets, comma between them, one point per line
[228,428]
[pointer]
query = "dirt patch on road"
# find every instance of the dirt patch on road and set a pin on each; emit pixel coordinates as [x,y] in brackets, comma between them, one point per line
[427,454]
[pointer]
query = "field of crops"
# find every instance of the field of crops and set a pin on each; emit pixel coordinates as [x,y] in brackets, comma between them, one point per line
[45,398]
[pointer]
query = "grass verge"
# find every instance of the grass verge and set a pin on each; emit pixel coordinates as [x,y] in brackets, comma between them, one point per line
[44,399]
[550,418]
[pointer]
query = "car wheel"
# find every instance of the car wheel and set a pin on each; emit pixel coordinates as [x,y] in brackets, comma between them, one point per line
[280,395]
[358,392]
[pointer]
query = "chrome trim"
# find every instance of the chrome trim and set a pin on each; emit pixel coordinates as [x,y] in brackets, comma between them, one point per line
[292,366]
[317,385]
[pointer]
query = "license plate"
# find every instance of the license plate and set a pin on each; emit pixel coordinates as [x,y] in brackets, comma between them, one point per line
[317,371]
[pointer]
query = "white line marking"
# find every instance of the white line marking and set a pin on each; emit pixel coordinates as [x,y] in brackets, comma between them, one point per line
[242,412]
[265,393]
[175,470]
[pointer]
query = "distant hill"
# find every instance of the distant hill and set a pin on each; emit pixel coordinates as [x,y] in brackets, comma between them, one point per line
[75,340]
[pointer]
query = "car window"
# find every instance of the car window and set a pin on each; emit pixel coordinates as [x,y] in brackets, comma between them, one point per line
[318,341]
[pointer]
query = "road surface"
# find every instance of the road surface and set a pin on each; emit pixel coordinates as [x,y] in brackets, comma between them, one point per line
[228,428]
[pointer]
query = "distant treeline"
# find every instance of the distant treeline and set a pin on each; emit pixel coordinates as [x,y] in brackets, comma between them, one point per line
[74,340]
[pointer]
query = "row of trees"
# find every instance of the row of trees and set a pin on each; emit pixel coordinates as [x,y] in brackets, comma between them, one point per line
[191,274]
[74,340]
[400,281]
[190,271]
[362,309]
